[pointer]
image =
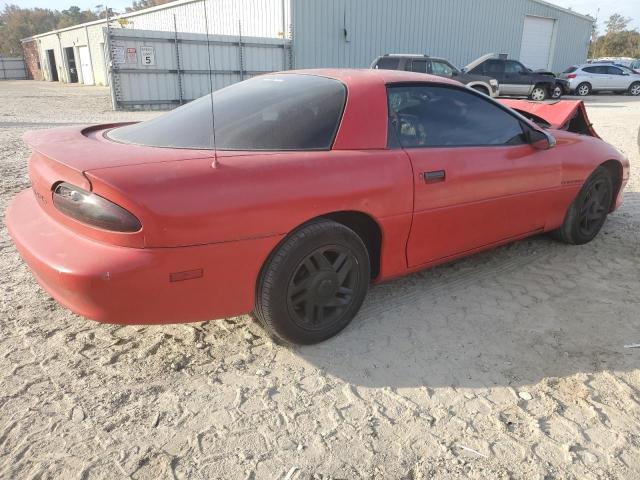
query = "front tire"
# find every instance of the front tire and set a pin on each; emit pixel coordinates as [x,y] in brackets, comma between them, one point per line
[583,89]
[634,89]
[589,210]
[313,285]
[539,93]
[557,92]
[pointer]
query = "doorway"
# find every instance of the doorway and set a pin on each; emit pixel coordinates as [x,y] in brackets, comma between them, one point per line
[53,69]
[85,65]
[71,62]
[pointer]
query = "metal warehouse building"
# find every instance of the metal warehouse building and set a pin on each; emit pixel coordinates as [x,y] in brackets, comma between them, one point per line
[168,54]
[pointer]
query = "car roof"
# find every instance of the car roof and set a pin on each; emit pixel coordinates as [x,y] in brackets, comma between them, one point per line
[352,77]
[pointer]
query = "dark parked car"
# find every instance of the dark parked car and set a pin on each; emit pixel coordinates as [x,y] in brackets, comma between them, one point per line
[515,78]
[436,66]
[562,86]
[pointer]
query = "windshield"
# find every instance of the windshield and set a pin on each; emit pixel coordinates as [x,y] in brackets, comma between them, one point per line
[270,112]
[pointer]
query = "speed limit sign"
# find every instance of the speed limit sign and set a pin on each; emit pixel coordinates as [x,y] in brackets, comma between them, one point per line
[148,55]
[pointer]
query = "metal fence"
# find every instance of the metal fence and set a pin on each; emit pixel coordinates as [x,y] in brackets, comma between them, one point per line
[158,70]
[12,68]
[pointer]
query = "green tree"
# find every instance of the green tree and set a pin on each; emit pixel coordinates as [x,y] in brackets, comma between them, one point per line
[17,23]
[618,40]
[74,16]
[617,23]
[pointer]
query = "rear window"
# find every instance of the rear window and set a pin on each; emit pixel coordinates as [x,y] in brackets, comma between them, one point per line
[271,112]
[570,70]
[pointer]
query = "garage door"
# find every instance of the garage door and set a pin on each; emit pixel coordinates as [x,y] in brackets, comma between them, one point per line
[536,42]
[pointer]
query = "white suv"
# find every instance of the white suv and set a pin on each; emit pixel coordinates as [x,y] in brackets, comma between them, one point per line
[584,79]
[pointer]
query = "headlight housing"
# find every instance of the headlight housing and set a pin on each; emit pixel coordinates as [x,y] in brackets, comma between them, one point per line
[92,209]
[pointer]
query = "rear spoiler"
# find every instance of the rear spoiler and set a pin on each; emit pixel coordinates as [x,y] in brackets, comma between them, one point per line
[569,115]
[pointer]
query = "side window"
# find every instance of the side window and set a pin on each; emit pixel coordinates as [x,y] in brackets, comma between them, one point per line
[441,68]
[511,66]
[438,116]
[419,66]
[388,63]
[595,69]
[614,71]
[493,67]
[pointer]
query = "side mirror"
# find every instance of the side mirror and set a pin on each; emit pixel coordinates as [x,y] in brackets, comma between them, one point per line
[539,139]
[454,73]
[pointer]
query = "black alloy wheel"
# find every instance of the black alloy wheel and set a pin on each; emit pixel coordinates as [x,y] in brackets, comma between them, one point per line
[595,207]
[314,283]
[323,287]
[588,212]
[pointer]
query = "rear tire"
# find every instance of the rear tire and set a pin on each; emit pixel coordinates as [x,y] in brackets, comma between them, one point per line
[589,210]
[583,89]
[313,285]
[634,89]
[539,93]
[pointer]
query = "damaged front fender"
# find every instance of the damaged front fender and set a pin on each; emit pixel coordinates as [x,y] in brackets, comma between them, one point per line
[569,115]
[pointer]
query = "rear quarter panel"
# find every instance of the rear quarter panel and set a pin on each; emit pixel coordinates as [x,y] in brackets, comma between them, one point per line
[252,195]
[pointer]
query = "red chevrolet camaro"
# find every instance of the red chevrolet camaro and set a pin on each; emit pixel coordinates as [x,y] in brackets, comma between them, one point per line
[311,185]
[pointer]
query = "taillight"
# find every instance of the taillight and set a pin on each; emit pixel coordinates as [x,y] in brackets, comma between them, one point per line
[93,209]
[572,75]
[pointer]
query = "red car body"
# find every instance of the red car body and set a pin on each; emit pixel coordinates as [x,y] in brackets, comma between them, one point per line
[211,219]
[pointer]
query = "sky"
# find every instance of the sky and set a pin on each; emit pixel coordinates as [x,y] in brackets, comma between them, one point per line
[628,8]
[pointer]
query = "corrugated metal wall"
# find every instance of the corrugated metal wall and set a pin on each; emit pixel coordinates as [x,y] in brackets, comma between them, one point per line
[259,18]
[183,75]
[12,68]
[351,33]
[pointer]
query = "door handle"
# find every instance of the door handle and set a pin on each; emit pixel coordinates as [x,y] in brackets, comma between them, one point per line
[434,176]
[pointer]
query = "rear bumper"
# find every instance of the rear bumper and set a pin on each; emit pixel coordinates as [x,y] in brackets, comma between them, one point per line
[564,84]
[116,284]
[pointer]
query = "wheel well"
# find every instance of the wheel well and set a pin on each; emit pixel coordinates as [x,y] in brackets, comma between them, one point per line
[481,88]
[615,169]
[367,229]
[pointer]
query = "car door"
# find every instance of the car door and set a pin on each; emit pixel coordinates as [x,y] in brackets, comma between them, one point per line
[616,79]
[476,181]
[596,76]
[517,77]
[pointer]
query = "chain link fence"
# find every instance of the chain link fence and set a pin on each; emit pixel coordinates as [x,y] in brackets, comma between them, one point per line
[12,68]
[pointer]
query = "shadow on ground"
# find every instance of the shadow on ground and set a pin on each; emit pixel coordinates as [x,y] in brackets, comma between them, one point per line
[510,316]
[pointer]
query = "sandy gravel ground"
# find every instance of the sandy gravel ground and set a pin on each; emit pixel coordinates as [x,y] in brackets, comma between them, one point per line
[509,364]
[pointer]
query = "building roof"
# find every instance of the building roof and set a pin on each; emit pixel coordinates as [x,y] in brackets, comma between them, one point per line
[114,18]
[565,10]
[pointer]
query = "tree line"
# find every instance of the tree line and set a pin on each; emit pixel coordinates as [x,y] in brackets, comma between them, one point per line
[17,23]
[618,40]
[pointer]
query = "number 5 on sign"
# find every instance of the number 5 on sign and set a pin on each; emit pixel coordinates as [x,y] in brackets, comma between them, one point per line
[148,55]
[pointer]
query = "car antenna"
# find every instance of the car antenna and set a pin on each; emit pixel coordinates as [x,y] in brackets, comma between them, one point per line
[213,118]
